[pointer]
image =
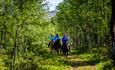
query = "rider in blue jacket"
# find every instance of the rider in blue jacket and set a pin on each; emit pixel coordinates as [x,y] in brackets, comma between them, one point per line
[56,37]
[51,37]
[65,39]
[51,40]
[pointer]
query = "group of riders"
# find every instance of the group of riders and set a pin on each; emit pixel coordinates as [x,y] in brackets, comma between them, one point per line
[57,44]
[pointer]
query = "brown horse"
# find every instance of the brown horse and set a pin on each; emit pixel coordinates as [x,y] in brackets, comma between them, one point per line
[57,46]
[65,49]
[50,45]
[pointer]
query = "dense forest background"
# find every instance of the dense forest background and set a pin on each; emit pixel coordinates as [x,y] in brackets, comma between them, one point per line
[25,28]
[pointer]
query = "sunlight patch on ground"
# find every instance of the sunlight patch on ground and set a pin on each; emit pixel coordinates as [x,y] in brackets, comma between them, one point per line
[83,68]
[52,67]
[78,62]
[73,58]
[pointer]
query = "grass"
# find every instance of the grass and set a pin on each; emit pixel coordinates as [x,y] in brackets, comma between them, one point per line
[78,60]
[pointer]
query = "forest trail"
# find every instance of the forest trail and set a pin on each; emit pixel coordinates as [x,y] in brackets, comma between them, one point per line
[79,62]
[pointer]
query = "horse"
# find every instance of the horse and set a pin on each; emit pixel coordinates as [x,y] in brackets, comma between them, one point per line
[65,49]
[50,45]
[57,45]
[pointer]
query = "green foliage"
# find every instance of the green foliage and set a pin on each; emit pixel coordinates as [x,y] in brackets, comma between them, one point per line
[105,65]
[2,63]
[24,31]
[25,27]
[85,21]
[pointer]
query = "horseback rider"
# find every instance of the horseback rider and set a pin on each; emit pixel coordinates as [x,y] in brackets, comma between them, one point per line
[65,40]
[51,42]
[57,43]
[56,37]
[51,39]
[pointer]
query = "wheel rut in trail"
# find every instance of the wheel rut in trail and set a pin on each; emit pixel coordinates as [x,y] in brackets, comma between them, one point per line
[77,63]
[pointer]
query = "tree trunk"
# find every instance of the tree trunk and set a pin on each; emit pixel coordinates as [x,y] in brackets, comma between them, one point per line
[2,29]
[13,56]
[112,29]
[1,40]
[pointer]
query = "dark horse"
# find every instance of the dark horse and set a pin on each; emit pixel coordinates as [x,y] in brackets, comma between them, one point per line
[50,45]
[65,49]
[57,45]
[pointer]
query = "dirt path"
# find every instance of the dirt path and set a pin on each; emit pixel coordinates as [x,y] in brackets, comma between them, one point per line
[84,68]
[77,63]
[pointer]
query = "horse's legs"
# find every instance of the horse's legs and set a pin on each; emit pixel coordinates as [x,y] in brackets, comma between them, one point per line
[68,50]
[57,51]
[51,50]
[66,54]
[54,51]
[60,50]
